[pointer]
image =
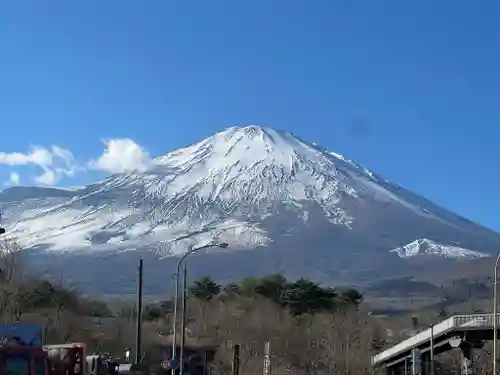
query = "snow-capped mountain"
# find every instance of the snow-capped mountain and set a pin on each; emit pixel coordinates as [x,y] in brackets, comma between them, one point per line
[310,210]
[424,246]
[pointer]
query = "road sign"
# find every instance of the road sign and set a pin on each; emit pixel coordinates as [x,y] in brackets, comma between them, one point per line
[169,364]
[455,342]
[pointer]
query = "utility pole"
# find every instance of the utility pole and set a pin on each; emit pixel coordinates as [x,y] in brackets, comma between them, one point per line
[183,321]
[138,332]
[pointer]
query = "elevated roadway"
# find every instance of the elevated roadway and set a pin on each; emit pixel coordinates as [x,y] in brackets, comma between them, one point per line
[459,331]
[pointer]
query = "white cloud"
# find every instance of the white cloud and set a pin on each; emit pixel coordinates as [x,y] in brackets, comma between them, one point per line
[14,178]
[48,177]
[37,155]
[55,162]
[121,155]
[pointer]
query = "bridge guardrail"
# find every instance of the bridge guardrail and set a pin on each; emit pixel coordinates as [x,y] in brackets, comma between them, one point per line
[473,320]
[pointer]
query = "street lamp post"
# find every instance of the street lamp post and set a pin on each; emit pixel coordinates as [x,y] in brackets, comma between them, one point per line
[222,245]
[495,316]
[432,349]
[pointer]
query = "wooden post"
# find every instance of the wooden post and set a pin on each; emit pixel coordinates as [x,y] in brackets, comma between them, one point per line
[235,370]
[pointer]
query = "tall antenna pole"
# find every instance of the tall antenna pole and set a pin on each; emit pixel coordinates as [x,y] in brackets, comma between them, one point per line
[138,332]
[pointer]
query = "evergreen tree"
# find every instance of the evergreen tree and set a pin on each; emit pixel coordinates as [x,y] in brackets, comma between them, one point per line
[204,289]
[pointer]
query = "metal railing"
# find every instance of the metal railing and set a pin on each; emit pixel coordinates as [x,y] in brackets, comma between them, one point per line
[475,320]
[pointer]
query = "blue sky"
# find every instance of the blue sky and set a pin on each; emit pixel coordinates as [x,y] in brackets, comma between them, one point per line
[409,89]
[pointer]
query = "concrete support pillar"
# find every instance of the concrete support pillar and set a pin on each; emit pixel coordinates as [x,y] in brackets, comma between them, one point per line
[466,358]
[426,364]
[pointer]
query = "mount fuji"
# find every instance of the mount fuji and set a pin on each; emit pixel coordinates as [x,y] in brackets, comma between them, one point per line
[281,203]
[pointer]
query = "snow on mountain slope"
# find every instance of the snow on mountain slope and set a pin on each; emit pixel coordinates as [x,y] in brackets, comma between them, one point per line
[424,246]
[249,186]
[259,165]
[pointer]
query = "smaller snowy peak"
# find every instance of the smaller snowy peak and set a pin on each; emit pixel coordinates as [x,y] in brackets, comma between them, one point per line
[425,246]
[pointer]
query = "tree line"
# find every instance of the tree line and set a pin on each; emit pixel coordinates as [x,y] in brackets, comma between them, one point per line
[302,296]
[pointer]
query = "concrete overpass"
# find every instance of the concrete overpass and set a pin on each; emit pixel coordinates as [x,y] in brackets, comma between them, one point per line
[466,332]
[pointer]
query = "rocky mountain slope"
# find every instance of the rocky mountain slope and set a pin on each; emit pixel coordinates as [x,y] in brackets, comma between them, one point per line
[281,203]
